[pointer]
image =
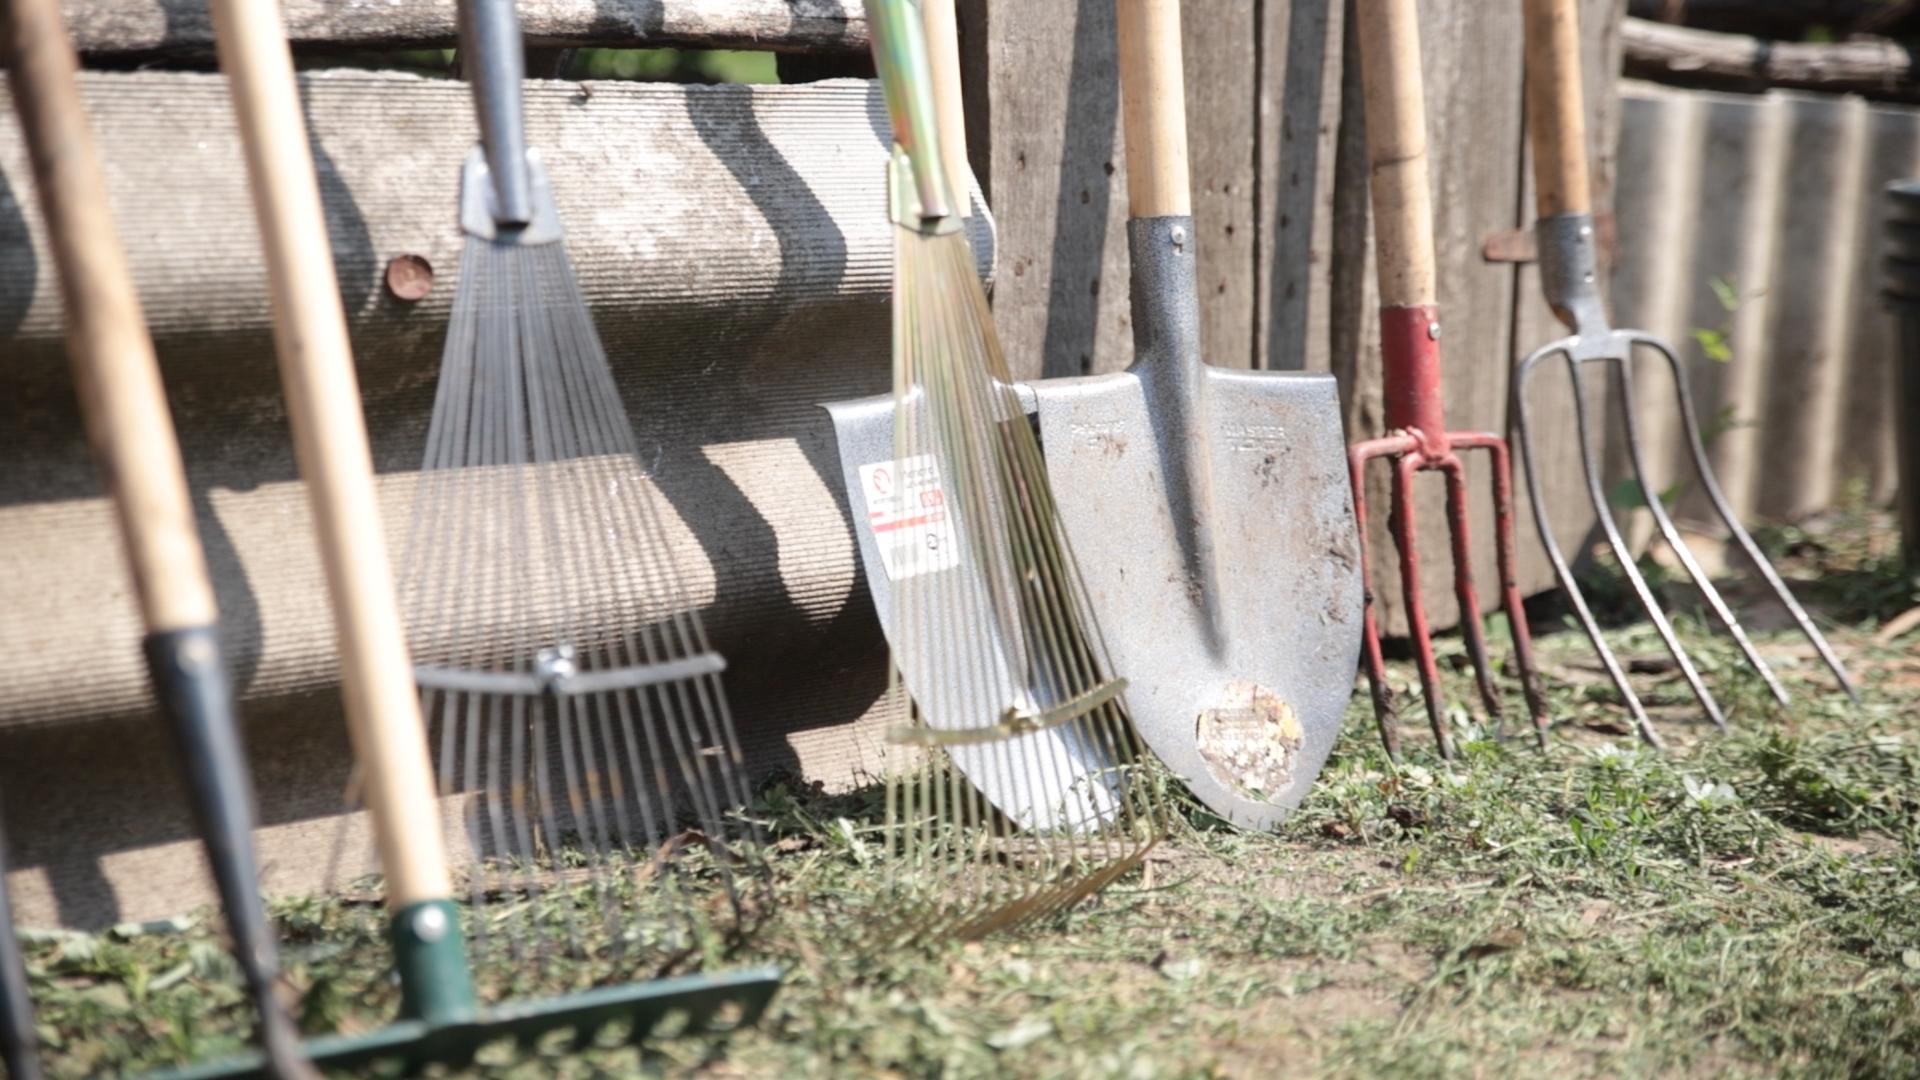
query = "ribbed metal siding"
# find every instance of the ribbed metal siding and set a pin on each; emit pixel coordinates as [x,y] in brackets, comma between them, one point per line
[1777,196]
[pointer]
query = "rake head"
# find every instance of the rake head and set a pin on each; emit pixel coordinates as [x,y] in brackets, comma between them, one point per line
[572,699]
[1027,793]
[1568,275]
[1419,442]
[1024,787]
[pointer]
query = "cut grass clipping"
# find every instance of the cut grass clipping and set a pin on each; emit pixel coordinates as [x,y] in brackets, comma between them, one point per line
[1747,904]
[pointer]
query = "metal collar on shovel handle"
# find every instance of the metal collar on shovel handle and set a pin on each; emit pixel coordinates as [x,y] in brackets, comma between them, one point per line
[1568,279]
[1417,438]
[1209,507]
[441,1017]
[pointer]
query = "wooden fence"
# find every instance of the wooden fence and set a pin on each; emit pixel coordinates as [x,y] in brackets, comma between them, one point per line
[1280,198]
[778,307]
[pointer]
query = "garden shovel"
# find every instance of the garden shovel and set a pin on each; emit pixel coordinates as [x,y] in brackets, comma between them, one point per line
[1209,509]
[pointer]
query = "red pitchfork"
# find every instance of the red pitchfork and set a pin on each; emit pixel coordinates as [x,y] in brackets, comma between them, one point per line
[1418,440]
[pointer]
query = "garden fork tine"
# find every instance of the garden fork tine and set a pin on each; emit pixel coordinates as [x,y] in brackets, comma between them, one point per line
[1418,440]
[1568,272]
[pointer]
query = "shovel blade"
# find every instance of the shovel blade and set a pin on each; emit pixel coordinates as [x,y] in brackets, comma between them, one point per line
[1222,564]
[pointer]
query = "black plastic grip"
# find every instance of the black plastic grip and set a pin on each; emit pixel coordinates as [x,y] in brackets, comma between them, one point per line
[196,698]
[19,1048]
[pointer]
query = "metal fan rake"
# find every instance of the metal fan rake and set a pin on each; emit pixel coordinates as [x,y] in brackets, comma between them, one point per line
[1028,790]
[573,700]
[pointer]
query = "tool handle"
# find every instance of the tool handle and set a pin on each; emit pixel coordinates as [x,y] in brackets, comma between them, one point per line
[496,64]
[1397,151]
[19,1044]
[330,442]
[950,113]
[1153,95]
[118,379]
[900,56]
[1556,108]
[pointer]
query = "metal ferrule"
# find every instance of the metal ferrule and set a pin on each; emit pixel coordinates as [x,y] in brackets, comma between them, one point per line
[430,955]
[496,65]
[918,194]
[1165,298]
[1570,271]
[1410,360]
[477,201]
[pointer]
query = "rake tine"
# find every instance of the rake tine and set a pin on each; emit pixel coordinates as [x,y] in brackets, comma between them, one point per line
[1463,590]
[1561,570]
[1384,712]
[1507,562]
[1711,484]
[1401,523]
[1597,496]
[1623,374]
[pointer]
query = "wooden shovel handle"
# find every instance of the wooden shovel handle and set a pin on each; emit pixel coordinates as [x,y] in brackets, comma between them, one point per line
[1556,109]
[121,396]
[943,57]
[1397,151]
[330,441]
[1153,95]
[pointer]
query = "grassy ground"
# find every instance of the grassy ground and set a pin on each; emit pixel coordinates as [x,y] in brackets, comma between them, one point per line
[1744,904]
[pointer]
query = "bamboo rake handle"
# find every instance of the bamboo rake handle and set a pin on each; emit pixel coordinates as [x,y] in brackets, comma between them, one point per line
[1397,151]
[115,372]
[1556,113]
[330,441]
[1153,94]
[943,57]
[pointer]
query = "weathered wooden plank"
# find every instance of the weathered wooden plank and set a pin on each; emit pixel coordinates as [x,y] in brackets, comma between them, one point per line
[1296,142]
[1221,41]
[1051,111]
[1873,67]
[145,28]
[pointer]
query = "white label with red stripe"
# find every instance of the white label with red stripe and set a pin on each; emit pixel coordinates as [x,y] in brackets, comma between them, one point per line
[908,513]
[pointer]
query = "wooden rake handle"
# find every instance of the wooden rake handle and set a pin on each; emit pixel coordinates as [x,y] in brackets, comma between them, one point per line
[1153,96]
[1397,151]
[330,441]
[118,378]
[1556,108]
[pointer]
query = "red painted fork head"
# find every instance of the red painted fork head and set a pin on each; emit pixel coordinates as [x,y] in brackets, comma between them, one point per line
[1418,441]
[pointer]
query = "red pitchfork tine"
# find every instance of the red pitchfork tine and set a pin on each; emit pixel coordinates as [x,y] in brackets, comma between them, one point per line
[1418,440]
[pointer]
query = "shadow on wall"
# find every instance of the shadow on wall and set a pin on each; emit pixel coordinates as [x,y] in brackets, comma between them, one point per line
[1296,198]
[17,263]
[1082,197]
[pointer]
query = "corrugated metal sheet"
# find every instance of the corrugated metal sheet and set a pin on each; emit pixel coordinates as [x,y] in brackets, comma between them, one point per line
[1753,222]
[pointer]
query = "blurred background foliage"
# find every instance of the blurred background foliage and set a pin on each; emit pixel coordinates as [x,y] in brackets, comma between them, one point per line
[636,65]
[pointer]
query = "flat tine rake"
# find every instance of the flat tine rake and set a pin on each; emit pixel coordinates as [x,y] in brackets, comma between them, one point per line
[1418,440]
[1568,277]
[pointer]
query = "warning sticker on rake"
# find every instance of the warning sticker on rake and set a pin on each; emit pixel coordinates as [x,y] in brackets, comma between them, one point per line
[907,510]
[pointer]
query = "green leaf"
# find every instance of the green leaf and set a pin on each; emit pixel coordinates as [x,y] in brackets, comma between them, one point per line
[1627,495]
[1714,344]
[1725,291]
